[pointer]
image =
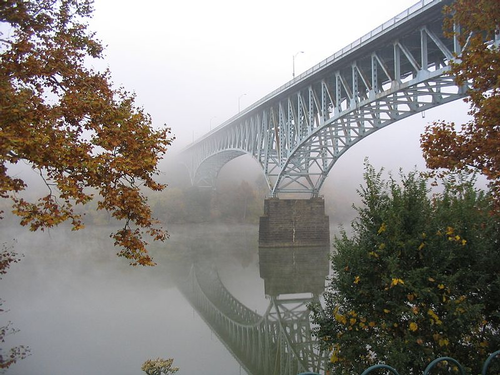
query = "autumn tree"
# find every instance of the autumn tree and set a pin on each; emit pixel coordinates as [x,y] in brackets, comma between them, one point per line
[84,137]
[476,144]
[417,279]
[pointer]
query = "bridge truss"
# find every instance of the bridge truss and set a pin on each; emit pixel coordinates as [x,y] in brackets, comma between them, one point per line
[298,132]
[278,342]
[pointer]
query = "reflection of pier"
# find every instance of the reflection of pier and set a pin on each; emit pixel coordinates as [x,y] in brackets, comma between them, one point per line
[280,341]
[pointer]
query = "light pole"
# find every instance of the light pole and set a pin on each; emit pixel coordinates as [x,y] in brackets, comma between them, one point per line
[293,59]
[241,96]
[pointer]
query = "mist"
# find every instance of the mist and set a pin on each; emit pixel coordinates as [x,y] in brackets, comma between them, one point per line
[193,65]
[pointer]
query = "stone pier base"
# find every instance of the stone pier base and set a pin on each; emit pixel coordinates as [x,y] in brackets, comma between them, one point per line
[294,222]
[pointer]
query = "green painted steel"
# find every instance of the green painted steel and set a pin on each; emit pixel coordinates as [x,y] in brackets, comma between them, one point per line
[488,361]
[444,359]
[376,367]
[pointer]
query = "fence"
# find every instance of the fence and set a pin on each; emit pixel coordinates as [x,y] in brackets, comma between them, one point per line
[429,367]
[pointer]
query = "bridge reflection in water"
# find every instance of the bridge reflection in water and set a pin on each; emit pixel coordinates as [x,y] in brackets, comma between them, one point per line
[280,341]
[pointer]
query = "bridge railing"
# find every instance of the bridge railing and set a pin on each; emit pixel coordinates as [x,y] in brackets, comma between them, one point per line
[431,366]
[337,55]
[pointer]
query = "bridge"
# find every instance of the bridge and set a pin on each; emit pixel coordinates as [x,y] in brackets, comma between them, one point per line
[280,341]
[299,131]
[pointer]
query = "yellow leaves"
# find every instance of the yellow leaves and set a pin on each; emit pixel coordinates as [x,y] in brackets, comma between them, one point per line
[443,342]
[413,326]
[434,318]
[334,358]
[484,344]
[440,340]
[396,281]
[382,228]
[387,311]
[356,280]
[373,254]
[340,318]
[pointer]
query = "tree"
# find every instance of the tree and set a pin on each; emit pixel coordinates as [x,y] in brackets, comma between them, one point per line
[475,145]
[417,280]
[81,135]
[159,366]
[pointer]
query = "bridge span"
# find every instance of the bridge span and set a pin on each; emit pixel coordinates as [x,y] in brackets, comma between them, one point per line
[299,131]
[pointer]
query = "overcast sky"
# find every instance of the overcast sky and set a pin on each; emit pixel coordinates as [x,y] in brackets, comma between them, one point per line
[192,62]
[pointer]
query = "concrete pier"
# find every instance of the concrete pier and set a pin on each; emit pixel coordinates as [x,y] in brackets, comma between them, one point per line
[294,222]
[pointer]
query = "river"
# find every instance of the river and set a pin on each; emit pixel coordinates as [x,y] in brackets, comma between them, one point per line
[82,310]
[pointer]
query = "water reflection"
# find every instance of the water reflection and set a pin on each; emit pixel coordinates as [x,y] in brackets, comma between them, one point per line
[84,311]
[278,341]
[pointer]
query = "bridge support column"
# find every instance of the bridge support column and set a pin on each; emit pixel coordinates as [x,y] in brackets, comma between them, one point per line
[294,222]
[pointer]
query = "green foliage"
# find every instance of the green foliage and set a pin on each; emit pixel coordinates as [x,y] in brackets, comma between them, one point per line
[418,278]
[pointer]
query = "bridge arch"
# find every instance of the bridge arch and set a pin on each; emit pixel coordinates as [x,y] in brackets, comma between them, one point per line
[206,174]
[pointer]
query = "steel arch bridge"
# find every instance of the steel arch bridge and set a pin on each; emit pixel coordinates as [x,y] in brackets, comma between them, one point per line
[299,131]
[278,342]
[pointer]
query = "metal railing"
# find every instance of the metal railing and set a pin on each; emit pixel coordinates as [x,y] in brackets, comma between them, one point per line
[431,365]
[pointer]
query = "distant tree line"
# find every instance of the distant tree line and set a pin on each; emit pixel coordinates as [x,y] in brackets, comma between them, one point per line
[231,203]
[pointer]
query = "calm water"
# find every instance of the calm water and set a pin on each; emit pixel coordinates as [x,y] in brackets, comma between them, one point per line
[82,310]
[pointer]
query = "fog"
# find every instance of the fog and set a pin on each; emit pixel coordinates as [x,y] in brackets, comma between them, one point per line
[192,64]
[82,310]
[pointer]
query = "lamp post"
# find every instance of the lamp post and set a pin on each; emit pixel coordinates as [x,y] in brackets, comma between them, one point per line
[293,59]
[241,96]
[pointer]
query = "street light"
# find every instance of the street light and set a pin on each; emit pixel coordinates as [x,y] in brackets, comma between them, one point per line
[293,72]
[241,96]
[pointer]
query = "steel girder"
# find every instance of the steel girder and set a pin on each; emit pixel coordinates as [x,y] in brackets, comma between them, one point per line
[299,132]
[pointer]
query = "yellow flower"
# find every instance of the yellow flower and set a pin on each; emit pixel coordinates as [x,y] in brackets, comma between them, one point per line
[464,242]
[449,231]
[387,311]
[421,246]
[356,280]
[413,326]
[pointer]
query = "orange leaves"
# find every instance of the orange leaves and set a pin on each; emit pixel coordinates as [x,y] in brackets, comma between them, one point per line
[69,123]
[475,144]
